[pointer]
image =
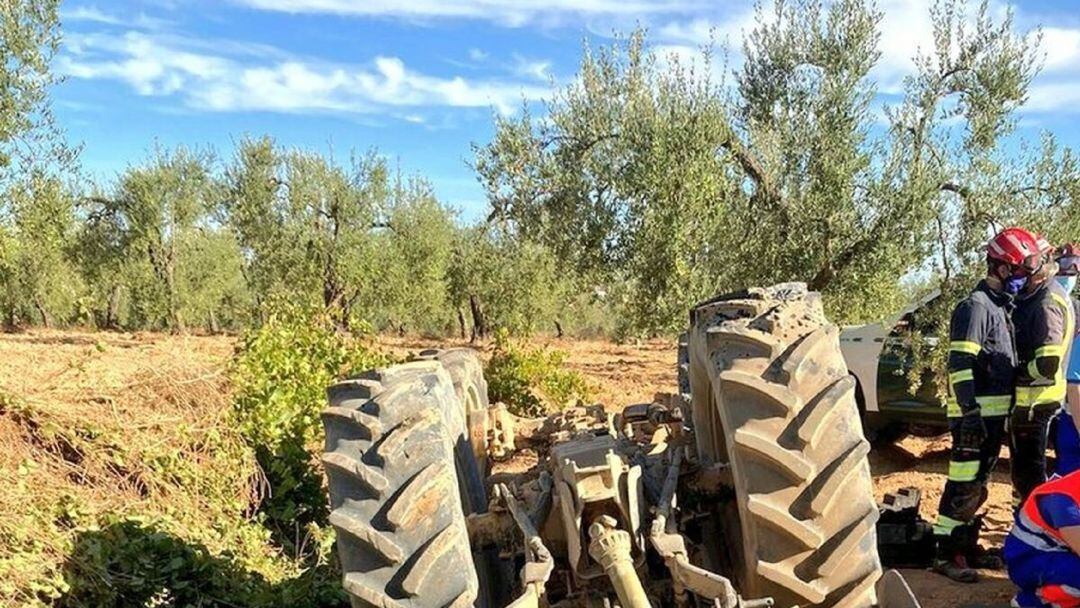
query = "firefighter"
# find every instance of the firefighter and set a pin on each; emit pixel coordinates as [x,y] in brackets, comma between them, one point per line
[982,362]
[1067,441]
[1042,552]
[1044,321]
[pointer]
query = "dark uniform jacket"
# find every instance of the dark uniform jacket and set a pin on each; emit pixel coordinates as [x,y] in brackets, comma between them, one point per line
[982,355]
[1045,321]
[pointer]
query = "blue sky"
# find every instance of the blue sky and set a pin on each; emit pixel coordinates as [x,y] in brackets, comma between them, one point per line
[418,79]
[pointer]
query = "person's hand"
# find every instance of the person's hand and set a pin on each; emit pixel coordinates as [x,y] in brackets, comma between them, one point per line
[972,432]
[1072,538]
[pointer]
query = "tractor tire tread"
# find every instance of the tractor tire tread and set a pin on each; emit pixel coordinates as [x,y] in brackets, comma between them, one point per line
[783,406]
[390,463]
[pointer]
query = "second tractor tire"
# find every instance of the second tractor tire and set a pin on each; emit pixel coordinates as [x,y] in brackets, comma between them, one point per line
[772,400]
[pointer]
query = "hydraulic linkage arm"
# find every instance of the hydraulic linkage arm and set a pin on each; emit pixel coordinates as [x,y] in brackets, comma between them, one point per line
[686,577]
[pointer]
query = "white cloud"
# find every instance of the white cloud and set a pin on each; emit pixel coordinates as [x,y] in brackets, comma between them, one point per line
[225,75]
[1057,88]
[1062,48]
[92,14]
[235,79]
[532,68]
[905,31]
[700,31]
[1054,97]
[513,13]
[88,13]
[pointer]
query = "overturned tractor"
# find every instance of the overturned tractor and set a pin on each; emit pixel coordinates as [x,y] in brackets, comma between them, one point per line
[749,487]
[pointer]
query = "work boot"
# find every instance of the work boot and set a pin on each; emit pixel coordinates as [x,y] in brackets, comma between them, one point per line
[977,556]
[951,560]
[986,559]
[957,569]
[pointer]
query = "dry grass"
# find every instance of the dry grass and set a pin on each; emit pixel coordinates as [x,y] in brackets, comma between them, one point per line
[112,424]
[127,393]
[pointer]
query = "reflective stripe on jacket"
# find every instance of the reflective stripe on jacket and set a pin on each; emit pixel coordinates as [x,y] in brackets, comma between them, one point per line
[982,356]
[1045,324]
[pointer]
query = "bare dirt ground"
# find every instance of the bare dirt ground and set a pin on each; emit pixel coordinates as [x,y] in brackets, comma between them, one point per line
[620,374]
[104,375]
[924,463]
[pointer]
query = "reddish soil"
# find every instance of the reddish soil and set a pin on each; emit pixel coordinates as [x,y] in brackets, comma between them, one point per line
[923,464]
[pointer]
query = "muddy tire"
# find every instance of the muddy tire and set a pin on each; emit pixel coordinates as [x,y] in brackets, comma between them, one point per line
[394,496]
[466,370]
[771,397]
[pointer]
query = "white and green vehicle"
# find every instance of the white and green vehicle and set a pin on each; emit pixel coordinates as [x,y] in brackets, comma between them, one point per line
[879,356]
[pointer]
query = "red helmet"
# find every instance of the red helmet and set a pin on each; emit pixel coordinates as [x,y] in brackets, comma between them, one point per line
[1068,259]
[1016,247]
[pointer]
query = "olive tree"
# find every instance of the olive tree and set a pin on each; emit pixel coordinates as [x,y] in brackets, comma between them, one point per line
[37,278]
[660,175]
[155,243]
[411,259]
[36,209]
[499,281]
[29,38]
[304,222]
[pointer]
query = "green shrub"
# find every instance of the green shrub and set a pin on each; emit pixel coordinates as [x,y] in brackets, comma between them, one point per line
[280,375]
[137,561]
[532,381]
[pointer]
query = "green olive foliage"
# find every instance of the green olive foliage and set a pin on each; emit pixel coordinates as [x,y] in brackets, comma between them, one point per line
[38,282]
[660,178]
[646,183]
[153,254]
[280,375]
[532,381]
[29,38]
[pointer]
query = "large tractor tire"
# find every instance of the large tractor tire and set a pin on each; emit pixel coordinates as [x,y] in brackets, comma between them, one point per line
[772,399]
[394,491]
[466,370]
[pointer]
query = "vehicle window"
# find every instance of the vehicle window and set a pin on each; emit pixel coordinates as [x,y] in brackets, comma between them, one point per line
[921,320]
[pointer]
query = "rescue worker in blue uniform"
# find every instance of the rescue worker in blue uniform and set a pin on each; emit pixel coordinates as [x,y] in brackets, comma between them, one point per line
[1067,440]
[1042,552]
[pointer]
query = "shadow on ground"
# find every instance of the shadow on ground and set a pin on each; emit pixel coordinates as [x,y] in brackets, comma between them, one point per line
[129,563]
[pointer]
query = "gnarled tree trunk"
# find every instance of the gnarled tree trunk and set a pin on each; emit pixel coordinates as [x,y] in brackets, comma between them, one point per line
[479,328]
[46,318]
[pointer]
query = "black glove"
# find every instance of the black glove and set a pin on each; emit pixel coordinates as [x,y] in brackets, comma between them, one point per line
[972,431]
